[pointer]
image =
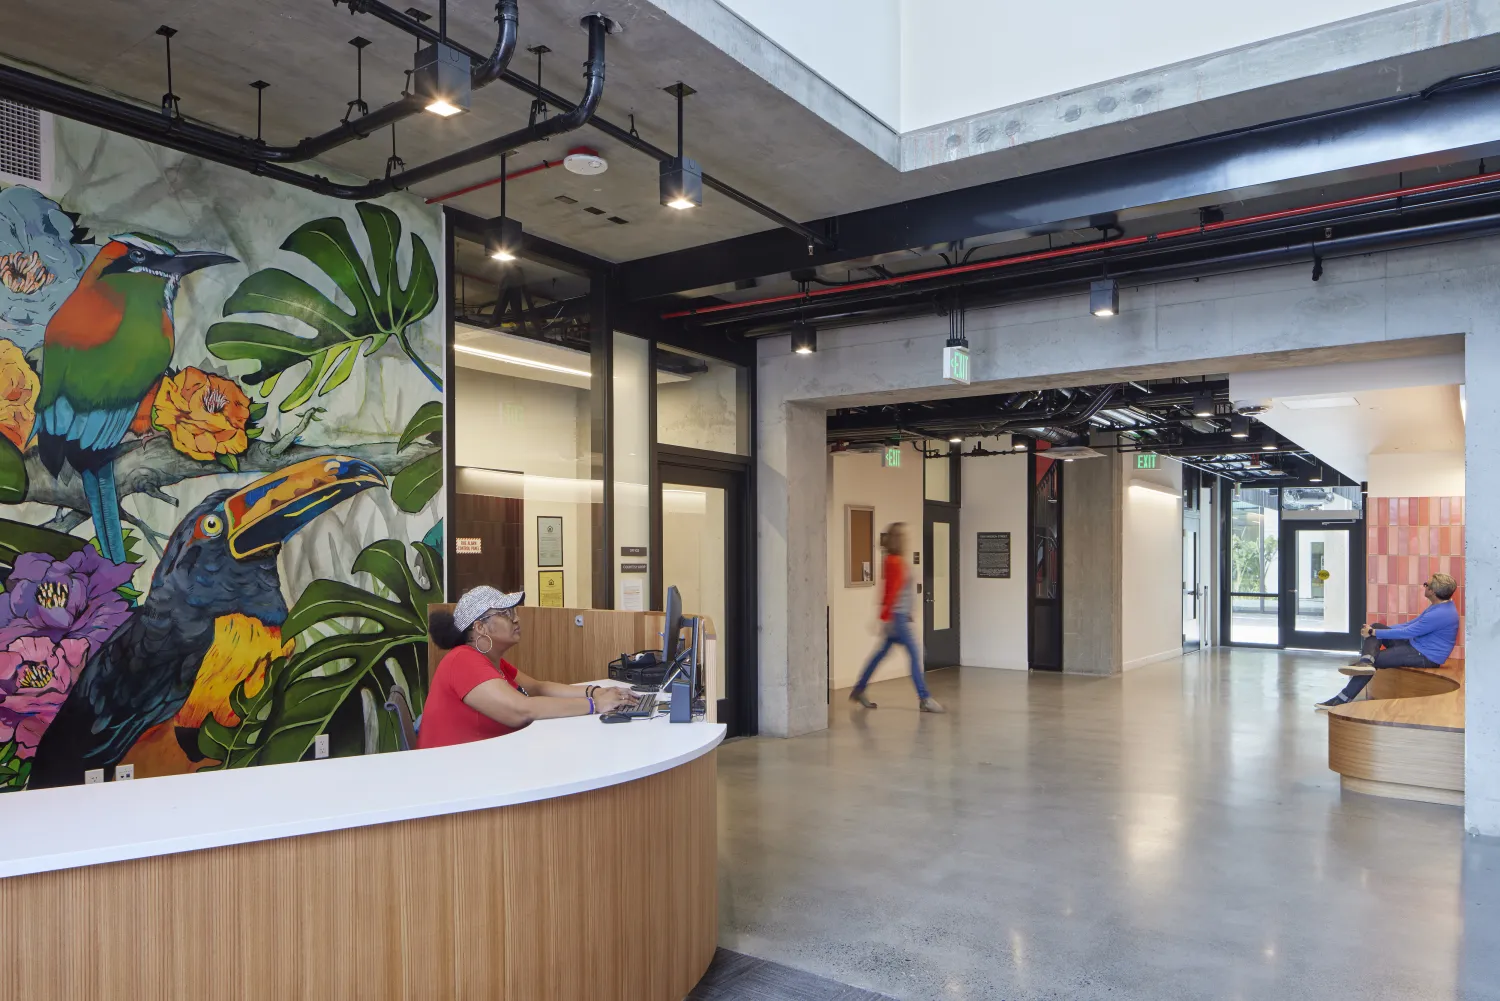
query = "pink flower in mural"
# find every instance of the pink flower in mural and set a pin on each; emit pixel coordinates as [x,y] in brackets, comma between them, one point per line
[58,600]
[35,675]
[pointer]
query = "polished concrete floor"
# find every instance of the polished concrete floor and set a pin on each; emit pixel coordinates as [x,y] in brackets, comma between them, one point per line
[1172,833]
[734,976]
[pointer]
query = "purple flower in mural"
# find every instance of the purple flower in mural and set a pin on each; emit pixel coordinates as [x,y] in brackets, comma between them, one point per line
[35,675]
[73,598]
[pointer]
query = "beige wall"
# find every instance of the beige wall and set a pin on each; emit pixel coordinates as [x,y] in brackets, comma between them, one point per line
[1151,585]
[993,623]
[539,429]
[896,495]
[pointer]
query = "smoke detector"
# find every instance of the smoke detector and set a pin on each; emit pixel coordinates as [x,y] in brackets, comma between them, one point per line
[585,162]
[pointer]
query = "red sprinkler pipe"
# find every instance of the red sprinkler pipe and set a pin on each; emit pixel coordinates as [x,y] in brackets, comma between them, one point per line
[1085,248]
[533,169]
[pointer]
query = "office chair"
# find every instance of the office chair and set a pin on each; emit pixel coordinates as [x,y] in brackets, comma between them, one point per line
[406,729]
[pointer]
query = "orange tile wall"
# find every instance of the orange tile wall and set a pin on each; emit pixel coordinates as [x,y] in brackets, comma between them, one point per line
[1409,538]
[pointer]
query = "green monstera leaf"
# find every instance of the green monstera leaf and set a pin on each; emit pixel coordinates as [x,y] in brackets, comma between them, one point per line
[301,695]
[420,481]
[383,307]
[13,479]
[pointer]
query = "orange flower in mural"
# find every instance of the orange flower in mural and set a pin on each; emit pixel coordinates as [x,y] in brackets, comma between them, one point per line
[205,414]
[18,389]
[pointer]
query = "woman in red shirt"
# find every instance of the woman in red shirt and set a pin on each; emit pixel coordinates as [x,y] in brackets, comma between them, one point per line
[895,622]
[476,693]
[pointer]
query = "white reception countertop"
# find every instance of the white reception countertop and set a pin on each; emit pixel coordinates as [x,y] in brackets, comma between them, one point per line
[48,829]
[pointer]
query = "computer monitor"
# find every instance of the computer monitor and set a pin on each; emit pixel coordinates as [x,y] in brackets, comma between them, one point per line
[672,631]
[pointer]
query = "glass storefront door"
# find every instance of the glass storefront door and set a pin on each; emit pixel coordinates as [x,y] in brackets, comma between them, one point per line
[1324,596]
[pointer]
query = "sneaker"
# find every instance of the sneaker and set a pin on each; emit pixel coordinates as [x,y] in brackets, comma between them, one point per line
[1337,700]
[1357,669]
[1362,662]
[858,695]
[932,705]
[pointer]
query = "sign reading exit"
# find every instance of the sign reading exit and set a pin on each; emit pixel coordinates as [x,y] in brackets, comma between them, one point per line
[892,457]
[956,365]
[1145,460]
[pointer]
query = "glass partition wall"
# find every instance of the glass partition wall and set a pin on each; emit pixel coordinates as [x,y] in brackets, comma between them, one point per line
[593,463]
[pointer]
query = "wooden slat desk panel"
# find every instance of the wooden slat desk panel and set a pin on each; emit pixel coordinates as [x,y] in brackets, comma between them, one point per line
[532,902]
[554,648]
[1406,741]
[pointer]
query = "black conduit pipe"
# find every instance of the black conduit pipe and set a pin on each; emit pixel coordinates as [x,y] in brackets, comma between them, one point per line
[211,143]
[151,126]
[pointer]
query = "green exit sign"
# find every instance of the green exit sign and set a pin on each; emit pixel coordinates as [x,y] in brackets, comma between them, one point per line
[1145,460]
[892,458]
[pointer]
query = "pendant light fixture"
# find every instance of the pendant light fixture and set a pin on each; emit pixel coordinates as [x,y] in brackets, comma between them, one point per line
[1317,475]
[1239,426]
[443,75]
[1268,441]
[503,241]
[681,178]
[804,339]
[1104,297]
[1203,403]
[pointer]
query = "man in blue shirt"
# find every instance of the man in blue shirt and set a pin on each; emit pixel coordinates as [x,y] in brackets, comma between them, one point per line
[1425,641]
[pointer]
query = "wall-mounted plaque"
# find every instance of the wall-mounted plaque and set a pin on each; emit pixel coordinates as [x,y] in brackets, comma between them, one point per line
[549,541]
[549,588]
[994,555]
[468,547]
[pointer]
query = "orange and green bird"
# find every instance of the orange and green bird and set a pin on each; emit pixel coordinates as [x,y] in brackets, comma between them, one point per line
[105,347]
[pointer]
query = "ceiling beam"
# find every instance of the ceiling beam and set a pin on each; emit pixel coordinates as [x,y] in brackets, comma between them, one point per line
[1449,123]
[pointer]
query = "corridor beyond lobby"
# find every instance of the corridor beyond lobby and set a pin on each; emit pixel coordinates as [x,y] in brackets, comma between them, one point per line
[1173,832]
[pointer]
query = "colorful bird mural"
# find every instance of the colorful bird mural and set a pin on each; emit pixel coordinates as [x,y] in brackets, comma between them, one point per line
[104,350]
[220,561]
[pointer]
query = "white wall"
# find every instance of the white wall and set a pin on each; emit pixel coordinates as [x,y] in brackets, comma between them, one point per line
[917,63]
[993,612]
[1151,586]
[896,495]
[853,44]
[1416,474]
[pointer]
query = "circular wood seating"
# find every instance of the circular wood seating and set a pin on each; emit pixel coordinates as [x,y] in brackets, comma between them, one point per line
[1406,740]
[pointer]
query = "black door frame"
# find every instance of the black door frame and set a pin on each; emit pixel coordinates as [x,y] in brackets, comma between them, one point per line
[1290,527]
[739,707]
[1044,647]
[949,511]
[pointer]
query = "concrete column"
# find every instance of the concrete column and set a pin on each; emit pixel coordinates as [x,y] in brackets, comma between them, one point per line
[1093,565]
[792,487]
[1482,578]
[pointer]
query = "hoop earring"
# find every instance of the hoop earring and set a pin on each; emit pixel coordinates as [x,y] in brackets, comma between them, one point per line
[484,650]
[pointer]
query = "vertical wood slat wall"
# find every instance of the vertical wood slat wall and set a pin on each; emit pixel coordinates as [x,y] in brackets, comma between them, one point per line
[554,647]
[537,902]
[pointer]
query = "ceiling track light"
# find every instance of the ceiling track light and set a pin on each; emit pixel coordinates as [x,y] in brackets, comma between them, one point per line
[1239,426]
[804,339]
[681,178]
[1104,297]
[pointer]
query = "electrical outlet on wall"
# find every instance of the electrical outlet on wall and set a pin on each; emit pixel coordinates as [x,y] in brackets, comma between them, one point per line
[124,773]
[320,746]
[93,776]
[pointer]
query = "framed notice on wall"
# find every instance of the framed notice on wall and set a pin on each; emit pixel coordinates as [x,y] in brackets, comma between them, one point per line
[549,588]
[994,555]
[549,543]
[859,546]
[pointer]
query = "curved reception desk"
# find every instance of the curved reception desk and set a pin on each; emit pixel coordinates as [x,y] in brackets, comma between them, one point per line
[570,860]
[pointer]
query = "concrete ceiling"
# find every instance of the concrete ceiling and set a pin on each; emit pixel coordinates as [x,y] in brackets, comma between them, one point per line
[740,126]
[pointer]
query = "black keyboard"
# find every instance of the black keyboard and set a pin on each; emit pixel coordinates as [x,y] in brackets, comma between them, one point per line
[644,708]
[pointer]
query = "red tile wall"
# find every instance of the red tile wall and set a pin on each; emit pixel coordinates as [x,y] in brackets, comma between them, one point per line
[1410,538]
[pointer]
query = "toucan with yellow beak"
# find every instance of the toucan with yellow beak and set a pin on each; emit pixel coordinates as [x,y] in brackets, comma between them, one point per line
[221,560]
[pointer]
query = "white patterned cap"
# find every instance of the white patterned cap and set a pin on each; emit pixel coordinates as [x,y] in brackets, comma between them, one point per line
[479,601]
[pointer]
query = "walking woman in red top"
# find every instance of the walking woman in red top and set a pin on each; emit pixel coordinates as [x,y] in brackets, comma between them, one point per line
[895,618]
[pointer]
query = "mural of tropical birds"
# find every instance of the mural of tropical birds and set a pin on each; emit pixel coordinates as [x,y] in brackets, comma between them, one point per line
[221,561]
[104,350]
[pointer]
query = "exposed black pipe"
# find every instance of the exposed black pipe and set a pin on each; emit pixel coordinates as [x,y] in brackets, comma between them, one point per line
[209,144]
[627,137]
[214,144]
[917,300]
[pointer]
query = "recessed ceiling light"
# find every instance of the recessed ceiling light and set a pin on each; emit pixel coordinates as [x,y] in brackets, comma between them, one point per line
[517,360]
[1319,402]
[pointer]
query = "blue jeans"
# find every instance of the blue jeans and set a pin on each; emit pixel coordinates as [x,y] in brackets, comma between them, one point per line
[898,630]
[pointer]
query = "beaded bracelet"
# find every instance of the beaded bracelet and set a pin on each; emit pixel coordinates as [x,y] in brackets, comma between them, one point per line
[592,710]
